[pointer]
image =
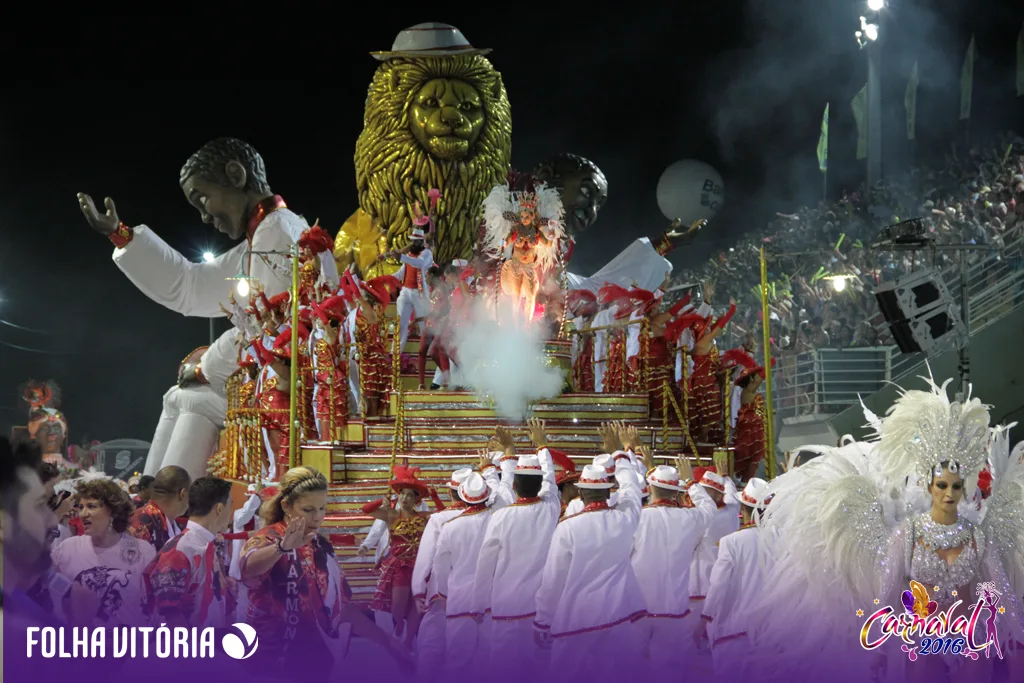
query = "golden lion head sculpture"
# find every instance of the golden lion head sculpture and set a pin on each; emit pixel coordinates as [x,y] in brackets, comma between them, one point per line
[441,122]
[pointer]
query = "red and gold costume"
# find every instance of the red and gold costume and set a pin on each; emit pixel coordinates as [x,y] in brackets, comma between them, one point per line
[406,532]
[375,361]
[437,332]
[705,397]
[297,601]
[582,306]
[274,403]
[749,436]
[330,372]
[314,241]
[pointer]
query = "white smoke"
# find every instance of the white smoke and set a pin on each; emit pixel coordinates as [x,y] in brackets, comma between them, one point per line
[504,360]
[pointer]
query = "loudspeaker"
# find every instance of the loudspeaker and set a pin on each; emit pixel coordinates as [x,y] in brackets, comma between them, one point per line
[921,314]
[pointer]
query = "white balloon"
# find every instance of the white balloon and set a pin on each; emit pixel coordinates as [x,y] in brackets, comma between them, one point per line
[690,190]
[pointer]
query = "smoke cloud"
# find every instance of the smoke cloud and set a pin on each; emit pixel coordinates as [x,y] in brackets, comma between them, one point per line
[504,361]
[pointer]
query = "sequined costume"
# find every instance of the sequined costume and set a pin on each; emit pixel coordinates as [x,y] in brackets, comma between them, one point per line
[274,415]
[583,367]
[706,397]
[615,363]
[374,359]
[330,389]
[396,568]
[748,439]
[856,527]
[660,369]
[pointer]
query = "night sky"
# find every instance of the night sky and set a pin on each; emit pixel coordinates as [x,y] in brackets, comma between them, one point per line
[730,83]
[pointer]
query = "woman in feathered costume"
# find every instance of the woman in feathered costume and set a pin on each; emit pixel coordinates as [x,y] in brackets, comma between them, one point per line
[848,539]
[529,223]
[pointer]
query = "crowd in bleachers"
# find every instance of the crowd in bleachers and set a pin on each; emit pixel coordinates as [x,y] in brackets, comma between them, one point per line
[977,198]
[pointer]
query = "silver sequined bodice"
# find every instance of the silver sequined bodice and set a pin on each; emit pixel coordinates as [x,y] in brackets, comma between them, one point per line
[927,568]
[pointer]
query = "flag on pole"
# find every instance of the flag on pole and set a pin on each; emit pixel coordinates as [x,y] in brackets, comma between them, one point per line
[967,81]
[1020,62]
[860,110]
[910,102]
[823,142]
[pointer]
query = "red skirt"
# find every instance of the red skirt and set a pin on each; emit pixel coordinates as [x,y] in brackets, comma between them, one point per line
[395,572]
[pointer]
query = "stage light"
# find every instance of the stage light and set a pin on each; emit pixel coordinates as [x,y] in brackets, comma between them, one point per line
[876,5]
[839,284]
[208,256]
[243,288]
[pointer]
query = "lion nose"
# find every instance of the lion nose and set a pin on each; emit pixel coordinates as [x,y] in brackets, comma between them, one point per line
[451,115]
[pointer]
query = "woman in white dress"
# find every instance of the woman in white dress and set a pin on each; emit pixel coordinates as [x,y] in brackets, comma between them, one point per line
[104,565]
[851,536]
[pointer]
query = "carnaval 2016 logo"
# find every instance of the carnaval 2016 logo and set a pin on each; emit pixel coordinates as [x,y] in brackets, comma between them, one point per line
[161,642]
[925,631]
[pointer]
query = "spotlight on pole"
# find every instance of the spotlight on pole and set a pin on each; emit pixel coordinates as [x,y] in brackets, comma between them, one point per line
[876,5]
[243,288]
[208,256]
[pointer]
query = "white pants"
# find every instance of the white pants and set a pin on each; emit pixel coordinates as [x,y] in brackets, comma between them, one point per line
[590,656]
[430,643]
[188,430]
[410,302]
[513,650]
[355,404]
[461,652]
[665,642]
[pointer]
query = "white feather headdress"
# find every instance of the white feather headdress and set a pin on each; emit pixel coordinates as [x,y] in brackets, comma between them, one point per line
[924,429]
[501,218]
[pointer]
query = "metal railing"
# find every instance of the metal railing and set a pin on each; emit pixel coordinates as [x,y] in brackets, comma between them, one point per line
[827,380]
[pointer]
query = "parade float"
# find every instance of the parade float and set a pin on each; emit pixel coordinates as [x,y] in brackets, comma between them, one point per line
[435,154]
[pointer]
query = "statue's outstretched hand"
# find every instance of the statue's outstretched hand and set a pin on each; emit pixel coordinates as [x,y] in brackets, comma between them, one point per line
[103,223]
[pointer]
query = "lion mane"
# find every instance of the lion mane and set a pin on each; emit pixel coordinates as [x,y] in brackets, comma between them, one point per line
[393,171]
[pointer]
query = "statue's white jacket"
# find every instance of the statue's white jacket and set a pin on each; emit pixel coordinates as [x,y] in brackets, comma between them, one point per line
[199,289]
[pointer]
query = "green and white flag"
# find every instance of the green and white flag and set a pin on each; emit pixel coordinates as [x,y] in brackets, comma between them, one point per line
[967,81]
[860,111]
[910,103]
[823,142]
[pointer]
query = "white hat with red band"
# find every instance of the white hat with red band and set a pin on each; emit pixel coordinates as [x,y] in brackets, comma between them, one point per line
[754,493]
[459,476]
[594,477]
[605,461]
[417,234]
[474,489]
[665,477]
[530,465]
[713,480]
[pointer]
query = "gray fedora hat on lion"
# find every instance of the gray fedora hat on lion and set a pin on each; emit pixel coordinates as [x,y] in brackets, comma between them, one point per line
[432,39]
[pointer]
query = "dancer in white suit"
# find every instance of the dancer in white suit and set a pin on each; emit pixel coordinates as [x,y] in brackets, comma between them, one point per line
[736,580]
[226,182]
[430,643]
[589,597]
[725,521]
[509,569]
[414,299]
[662,551]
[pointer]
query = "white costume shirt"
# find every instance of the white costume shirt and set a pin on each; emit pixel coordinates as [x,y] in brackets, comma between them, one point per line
[736,578]
[458,546]
[588,581]
[424,578]
[663,550]
[508,570]
[199,289]
[423,262]
[726,520]
[114,574]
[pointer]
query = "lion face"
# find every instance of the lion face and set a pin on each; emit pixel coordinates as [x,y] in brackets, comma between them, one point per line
[446,117]
[433,122]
